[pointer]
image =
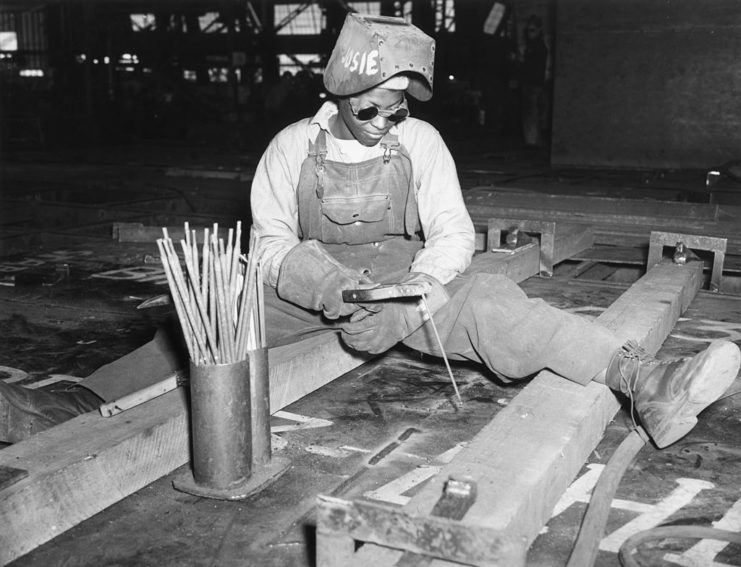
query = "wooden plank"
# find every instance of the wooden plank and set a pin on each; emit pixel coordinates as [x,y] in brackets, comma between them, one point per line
[567,241]
[506,198]
[554,238]
[570,240]
[517,266]
[655,222]
[300,368]
[432,536]
[480,212]
[81,467]
[526,457]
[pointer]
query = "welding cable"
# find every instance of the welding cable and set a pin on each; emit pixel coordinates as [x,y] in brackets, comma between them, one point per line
[630,545]
[586,547]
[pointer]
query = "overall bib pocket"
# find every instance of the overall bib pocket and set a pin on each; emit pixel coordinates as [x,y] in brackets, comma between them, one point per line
[355,220]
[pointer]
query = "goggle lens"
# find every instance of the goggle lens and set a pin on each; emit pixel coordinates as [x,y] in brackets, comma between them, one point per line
[369,113]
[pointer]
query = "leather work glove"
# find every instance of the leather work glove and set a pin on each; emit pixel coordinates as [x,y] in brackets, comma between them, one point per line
[380,325]
[311,278]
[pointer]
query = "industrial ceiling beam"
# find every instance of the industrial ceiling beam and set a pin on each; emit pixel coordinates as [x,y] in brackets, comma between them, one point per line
[292,16]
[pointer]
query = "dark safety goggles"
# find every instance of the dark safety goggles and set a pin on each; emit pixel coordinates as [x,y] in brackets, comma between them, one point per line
[369,113]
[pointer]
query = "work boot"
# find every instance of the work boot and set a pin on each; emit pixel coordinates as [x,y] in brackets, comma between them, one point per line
[667,395]
[25,412]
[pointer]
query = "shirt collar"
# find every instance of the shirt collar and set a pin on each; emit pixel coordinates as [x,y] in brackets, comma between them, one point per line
[326,111]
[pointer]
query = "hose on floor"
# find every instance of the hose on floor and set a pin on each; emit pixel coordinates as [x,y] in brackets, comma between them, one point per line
[630,545]
[592,529]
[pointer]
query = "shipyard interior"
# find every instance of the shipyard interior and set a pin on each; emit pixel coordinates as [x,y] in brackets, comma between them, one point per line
[597,149]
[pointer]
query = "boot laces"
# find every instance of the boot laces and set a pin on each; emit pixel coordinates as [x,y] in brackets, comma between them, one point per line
[630,357]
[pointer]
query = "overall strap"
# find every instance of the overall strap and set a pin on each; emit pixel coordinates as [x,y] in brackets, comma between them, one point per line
[389,143]
[318,150]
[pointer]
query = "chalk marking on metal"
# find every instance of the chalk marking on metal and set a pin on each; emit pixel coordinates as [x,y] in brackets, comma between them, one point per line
[681,496]
[704,551]
[302,422]
[16,374]
[393,492]
[581,491]
[355,449]
[53,379]
[337,453]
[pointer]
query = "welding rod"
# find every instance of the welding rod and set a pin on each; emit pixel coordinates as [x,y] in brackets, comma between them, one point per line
[442,350]
[144,395]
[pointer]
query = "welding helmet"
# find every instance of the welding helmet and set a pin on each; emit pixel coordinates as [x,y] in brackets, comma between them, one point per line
[372,49]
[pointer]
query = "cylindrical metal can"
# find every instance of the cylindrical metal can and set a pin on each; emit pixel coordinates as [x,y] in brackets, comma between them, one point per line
[221,424]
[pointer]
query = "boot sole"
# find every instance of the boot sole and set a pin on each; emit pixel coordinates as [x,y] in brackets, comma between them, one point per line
[717,368]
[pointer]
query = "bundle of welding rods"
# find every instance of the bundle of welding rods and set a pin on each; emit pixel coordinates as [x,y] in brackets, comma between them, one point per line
[218,299]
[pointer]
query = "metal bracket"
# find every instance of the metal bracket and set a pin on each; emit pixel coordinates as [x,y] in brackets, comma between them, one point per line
[340,523]
[697,242]
[545,229]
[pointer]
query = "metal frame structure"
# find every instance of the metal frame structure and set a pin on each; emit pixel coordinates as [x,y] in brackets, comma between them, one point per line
[83,43]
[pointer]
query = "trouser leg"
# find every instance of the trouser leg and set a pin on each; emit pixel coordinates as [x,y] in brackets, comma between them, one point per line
[490,320]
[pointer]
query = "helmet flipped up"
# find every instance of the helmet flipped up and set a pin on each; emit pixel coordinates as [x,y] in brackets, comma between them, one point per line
[372,49]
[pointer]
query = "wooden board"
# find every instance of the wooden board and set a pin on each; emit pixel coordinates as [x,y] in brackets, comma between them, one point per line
[518,266]
[507,198]
[434,536]
[526,457]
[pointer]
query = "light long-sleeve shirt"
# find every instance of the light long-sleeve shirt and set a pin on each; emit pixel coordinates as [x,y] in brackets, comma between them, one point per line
[446,225]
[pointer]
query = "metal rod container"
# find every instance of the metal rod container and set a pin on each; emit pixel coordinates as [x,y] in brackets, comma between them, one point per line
[260,407]
[221,424]
[230,430]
